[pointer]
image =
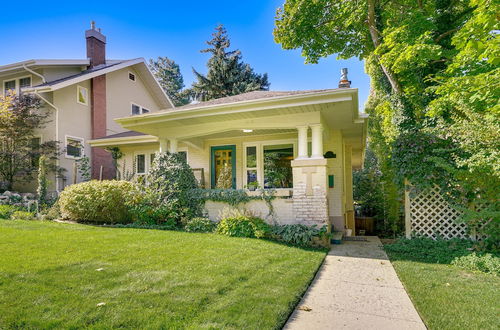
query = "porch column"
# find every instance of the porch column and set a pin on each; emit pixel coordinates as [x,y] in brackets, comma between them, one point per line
[302,135]
[317,141]
[163,145]
[173,145]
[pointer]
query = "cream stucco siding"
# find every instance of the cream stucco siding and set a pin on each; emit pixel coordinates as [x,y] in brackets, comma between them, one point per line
[121,92]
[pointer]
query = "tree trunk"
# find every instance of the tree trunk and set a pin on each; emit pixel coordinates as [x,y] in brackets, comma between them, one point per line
[372,26]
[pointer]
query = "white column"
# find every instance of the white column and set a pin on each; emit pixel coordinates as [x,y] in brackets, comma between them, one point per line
[173,145]
[317,141]
[163,144]
[302,133]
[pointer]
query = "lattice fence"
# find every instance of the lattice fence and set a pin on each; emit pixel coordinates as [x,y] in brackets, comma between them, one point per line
[431,215]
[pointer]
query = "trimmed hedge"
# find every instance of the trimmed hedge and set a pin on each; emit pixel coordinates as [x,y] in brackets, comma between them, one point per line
[99,201]
[243,226]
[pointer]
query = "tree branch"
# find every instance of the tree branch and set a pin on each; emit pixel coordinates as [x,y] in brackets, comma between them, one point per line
[443,35]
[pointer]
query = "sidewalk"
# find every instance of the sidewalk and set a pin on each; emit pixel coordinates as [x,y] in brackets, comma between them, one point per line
[356,288]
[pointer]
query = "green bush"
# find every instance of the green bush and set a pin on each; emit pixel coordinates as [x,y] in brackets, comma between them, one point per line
[22,215]
[486,263]
[52,212]
[99,201]
[243,226]
[7,210]
[152,211]
[300,235]
[200,225]
[172,181]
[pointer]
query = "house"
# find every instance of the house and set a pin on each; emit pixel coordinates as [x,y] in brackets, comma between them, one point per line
[303,144]
[84,96]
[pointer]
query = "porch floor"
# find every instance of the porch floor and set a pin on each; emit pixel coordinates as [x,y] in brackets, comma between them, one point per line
[356,288]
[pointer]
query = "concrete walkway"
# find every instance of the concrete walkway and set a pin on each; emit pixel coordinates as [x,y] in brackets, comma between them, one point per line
[356,288]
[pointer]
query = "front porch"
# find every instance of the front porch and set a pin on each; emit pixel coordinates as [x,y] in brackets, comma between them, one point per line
[302,146]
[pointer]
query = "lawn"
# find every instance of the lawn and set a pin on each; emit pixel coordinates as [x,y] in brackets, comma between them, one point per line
[447,297]
[55,275]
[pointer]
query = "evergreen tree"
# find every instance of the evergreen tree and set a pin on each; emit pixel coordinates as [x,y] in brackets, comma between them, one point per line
[227,74]
[170,78]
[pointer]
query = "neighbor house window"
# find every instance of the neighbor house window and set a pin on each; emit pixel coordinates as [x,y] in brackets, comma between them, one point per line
[25,82]
[269,164]
[140,164]
[82,96]
[131,76]
[9,86]
[74,147]
[138,110]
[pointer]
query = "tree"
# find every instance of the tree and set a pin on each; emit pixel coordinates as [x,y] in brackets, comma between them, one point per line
[227,74]
[20,117]
[170,78]
[41,191]
[434,100]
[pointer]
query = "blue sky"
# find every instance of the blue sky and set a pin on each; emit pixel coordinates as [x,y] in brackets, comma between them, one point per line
[176,29]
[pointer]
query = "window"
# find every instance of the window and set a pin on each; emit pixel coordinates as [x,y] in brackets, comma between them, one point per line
[74,147]
[25,82]
[269,164]
[140,164]
[82,95]
[9,86]
[138,110]
[277,166]
[131,76]
[251,164]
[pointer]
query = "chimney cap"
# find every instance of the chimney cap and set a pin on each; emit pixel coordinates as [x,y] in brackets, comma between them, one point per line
[344,81]
[92,25]
[96,33]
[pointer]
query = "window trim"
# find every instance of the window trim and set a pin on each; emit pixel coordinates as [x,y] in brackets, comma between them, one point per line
[260,158]
[131,73]
[66,146]
[78,87]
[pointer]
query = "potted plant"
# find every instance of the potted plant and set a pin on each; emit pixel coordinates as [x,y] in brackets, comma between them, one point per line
[252,186]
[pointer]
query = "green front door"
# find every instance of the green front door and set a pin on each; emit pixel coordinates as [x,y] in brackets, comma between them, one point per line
[223,167]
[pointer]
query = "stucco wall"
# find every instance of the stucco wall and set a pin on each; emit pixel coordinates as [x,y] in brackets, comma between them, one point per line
[120,93]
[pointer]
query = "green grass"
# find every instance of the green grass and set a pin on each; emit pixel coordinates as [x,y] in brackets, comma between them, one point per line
[49,278]
[446,297]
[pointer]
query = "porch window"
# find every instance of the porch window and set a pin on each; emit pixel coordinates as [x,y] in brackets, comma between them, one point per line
[251,164]
[140,164]
[277,166]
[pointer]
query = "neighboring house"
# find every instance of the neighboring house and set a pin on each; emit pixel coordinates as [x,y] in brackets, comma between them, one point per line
[84,97]
[304,144]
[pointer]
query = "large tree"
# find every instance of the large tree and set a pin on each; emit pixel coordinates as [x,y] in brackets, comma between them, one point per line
[20,118]
[434,71]
[227,74]
[168,74]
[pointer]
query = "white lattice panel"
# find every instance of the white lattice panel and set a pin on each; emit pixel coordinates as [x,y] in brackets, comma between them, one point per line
[432,216]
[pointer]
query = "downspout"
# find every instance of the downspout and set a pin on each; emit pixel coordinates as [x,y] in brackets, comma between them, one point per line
[57,133]
[35,73]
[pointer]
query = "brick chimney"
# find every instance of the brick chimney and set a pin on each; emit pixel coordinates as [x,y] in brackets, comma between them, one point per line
[344,82]
[102,162]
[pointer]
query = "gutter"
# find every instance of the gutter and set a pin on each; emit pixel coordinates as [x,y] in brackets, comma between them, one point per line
[35,73]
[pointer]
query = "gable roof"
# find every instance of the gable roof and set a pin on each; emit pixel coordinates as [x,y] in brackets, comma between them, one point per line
[110,66]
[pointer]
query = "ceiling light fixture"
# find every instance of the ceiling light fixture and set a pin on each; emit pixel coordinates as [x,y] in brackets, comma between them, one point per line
[247,130]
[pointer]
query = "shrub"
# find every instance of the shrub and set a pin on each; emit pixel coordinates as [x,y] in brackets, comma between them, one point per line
[298,234]
[99,201]
[51,213]
[7,210]
[152,211]
[243,226]
[173,182]
[22,215]
[200,225]
[486,263]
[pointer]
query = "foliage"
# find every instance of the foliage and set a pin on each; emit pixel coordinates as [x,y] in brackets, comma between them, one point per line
[99,201]
[51,213]
[227,75]
[22,215]
[42,181]
[243,226]
[200,225]
[298,234]
[486,263]
[20,117]
[152,211]
[168,74]
[7,210]
[434,111]
[277,173]
[225,179]
[83,165]
[174,185]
